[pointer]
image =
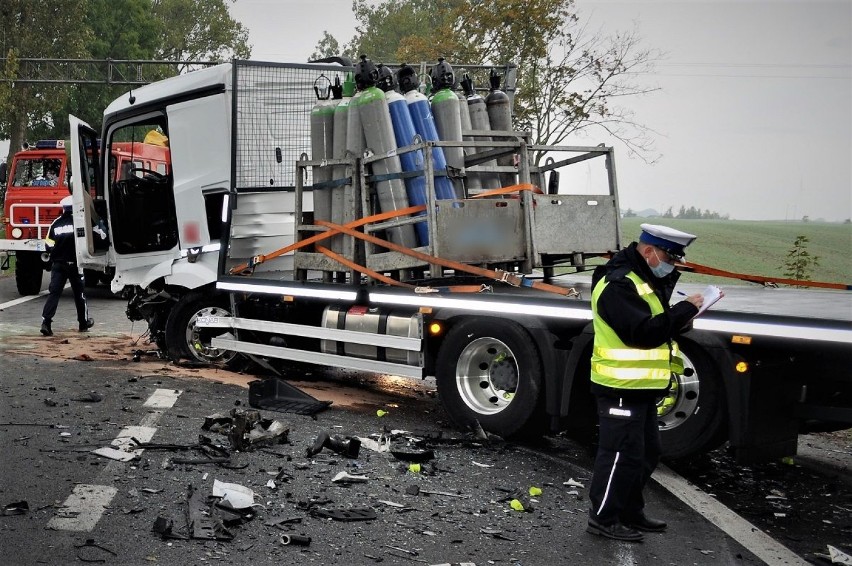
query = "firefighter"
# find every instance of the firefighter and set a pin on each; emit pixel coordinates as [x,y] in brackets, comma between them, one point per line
[632,362]
[60,242]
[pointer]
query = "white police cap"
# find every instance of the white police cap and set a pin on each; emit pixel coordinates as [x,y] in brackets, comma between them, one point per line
[668,239]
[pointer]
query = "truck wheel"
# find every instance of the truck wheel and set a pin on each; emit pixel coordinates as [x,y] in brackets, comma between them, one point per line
[28,273]
[490,371]
[185,340]
[692,416]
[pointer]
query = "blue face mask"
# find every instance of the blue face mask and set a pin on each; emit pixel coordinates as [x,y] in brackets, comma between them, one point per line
[662,269]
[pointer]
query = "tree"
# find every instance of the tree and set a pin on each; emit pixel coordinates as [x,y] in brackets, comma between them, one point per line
[800,263]
[570,80]
[172,30]
[192,30]
[36,28]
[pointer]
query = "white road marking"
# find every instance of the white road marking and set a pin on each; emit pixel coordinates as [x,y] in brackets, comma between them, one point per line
[756,541]
[83,508]
[86,504]
[21,300]
[162,399]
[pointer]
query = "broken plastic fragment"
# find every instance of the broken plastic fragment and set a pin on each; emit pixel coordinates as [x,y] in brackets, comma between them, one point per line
[414,468]
[345,477]
[380,445]
[573,483]
[235,495]
[838,556]
[535,491]
[381,413]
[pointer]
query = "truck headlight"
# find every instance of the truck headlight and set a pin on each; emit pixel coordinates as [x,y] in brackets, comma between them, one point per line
[17,233]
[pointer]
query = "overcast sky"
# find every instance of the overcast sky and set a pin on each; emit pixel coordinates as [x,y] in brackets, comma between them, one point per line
[754,115]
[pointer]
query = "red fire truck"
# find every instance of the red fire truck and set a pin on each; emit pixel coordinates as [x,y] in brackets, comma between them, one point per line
[35,183]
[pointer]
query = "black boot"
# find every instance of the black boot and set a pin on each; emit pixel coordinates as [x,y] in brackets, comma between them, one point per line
[45,328]
[84,326]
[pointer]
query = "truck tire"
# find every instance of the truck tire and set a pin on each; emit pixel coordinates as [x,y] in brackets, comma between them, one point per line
[186,341]
[692,416]
[489,371]
[28,272]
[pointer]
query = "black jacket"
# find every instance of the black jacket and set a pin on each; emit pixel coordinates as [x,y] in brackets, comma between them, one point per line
[60,239]
[621,307]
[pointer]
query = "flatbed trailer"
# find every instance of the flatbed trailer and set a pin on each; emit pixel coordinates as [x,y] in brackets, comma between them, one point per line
[224,261]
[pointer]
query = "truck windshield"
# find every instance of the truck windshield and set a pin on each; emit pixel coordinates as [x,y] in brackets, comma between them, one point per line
[37,172]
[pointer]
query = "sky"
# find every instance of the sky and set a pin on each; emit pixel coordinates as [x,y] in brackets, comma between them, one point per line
[753,116]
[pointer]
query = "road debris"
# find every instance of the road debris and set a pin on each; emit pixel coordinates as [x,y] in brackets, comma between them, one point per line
[348,446]
[297,540]
[346,478]
[345,515]
[16,508]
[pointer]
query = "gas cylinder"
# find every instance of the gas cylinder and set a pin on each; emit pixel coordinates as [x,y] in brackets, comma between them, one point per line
[500,116]
[376,124]
[472,182]
[424,124]
[339,213]
[445,109]
[322,130]
[404,133]
[479,121]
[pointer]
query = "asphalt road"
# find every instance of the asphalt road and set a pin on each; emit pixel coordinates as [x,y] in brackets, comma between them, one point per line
[63,397]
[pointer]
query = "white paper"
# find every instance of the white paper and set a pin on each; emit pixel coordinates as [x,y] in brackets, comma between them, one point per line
[711,295]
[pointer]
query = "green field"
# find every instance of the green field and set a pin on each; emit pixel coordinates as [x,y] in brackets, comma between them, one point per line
[758,247]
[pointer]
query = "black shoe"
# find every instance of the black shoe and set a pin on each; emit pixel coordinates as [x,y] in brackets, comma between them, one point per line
[615,531]
[643,523]
[45,329]
[84,326]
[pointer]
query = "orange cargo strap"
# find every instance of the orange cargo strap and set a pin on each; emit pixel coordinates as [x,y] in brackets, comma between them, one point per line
[510,189]
[245,268]
[496,274]
[705,270]
[360,268]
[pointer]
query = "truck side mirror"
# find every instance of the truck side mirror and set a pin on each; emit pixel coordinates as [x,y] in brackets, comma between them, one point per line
[3,173]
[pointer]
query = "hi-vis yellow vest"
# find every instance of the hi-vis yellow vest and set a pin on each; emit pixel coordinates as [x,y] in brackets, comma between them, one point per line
[614,364]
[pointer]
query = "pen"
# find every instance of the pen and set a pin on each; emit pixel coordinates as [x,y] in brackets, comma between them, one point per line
[682,293]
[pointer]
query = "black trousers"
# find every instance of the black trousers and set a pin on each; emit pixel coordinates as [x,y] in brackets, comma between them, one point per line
[628,452]
[60,273]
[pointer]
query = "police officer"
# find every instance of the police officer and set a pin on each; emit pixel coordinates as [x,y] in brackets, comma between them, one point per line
[60,244]
[632,362]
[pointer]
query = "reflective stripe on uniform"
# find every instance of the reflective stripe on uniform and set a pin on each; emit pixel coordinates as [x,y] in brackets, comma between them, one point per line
[631,354]
[614,364]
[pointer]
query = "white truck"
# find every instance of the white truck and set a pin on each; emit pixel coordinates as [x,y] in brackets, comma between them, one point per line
[225,258]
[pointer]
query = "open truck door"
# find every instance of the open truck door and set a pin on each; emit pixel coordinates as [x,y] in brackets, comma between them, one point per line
[90,220]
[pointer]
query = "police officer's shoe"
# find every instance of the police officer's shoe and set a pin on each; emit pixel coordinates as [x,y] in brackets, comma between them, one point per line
[615,531]
[45,328]
[641,522]
[84,326]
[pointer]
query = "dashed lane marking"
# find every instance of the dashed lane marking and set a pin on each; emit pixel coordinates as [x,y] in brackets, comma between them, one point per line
[162,399]
[82,510]
[756,541]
